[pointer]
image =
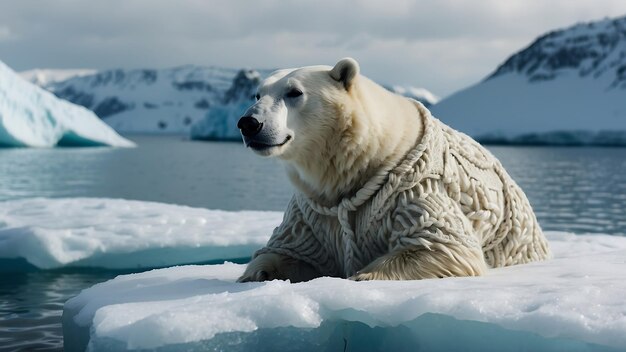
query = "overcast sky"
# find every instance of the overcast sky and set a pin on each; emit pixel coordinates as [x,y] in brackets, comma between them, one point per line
[441,45]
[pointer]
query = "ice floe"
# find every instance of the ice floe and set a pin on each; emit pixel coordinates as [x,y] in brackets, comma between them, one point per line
[574,302]
[124,234]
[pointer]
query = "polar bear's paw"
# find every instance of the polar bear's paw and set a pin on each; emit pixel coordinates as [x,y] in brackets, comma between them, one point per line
[265,267]
[368,277]
[273,266]
[421,263]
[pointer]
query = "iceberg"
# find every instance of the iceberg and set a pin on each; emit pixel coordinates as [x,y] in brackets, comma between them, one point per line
[574,302]
[105,233]
[33,117]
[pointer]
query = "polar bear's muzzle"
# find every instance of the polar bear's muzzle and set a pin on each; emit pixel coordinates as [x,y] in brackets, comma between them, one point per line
[261,138]
[264,126]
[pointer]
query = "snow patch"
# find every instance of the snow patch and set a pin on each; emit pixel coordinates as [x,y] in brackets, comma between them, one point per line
[572,302]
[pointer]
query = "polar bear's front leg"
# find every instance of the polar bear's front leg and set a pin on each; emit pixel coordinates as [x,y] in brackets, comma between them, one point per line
[441,260]
[271,266]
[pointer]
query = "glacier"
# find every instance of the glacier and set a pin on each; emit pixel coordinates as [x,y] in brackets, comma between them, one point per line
[42,234]
[33,117]
[574,302]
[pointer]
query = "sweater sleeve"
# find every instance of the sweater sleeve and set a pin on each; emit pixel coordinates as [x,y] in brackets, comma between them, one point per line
[426,214]
[295,238]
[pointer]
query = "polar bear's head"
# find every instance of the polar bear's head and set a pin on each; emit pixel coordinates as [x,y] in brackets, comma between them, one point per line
[332,126]
[296,109]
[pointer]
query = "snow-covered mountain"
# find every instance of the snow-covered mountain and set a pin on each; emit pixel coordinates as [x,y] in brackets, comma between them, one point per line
[567,87]
[422,95]
[46,76]
[33,117]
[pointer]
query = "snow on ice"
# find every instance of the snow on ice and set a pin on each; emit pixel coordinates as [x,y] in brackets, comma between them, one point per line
[33,117]
[572,302]
[123,234]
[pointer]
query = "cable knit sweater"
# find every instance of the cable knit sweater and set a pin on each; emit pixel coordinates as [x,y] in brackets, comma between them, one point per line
[448,189]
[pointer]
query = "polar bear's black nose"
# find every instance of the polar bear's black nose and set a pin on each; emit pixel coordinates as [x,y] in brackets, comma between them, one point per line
[249,126]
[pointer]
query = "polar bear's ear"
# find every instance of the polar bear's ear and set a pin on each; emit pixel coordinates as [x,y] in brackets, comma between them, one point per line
[345,71]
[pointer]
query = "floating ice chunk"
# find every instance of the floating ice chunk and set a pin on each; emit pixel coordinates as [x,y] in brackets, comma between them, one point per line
[573,302]
[33,117]
[119,234]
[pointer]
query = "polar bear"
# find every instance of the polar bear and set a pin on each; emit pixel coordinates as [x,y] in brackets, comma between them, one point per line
[385,191]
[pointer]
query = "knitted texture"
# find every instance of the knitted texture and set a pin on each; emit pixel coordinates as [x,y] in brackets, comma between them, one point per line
[448,189]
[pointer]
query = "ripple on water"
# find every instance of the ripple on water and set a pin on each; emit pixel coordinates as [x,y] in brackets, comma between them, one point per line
[572,189]
[31,305]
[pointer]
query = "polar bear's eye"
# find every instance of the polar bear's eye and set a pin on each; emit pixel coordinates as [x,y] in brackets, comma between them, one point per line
[294,93]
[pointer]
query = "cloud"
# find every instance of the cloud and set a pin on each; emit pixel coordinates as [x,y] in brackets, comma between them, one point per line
[441,45]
